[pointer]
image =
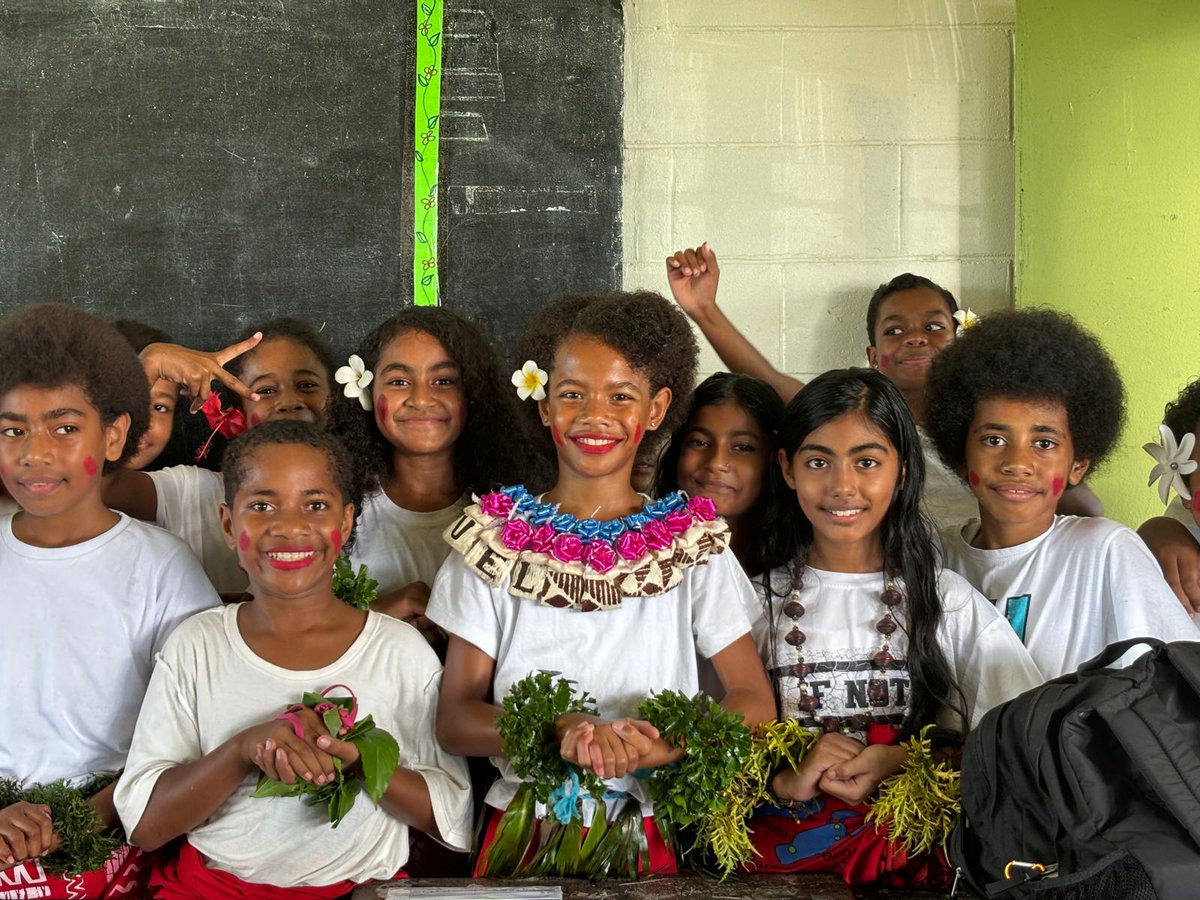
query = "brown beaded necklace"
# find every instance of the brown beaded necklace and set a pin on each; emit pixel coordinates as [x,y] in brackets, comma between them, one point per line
[882,659]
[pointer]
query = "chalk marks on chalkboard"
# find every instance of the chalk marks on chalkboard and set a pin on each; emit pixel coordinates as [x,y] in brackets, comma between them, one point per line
[494,200]
[472,68]
[460,125]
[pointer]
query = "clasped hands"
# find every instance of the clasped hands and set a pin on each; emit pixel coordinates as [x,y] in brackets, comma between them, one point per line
[840,767]
[612,748]
[284,755]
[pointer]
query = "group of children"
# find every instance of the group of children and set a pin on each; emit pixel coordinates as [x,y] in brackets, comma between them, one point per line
[877,555]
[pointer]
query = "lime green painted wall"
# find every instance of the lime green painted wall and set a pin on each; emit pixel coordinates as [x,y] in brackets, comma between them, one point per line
[1108,198]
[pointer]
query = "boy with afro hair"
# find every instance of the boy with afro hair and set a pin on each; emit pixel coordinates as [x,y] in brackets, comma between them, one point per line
[89,595]
[1022,406]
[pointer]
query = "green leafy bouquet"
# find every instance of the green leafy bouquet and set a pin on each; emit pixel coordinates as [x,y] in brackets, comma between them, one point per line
[378,752]
[358,590]
[86,843]
[717,745]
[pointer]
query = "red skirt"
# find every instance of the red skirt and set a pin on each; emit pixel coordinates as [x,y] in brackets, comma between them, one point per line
[662,859]
[125,874]
[186,877]
[829,836]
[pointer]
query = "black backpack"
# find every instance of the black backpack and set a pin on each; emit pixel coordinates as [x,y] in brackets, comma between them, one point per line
[1088,786]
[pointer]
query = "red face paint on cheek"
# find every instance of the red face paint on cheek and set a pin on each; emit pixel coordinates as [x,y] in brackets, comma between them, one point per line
[89,466]
[336,537]
[637,434]
[381,408]
[554,434]
[244,540]
[1056,486]
[255,419]
[885,361]
[973,477]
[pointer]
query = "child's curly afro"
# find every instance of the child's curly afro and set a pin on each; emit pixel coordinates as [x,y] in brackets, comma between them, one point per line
[647,329]
[52,344]
[1028,354]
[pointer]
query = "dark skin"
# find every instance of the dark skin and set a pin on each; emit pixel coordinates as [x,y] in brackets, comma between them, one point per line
[910,324]
[421,409]
[594,398]
[288,500]
[53,430]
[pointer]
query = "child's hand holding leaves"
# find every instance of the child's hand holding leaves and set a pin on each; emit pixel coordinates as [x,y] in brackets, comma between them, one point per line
[26,832]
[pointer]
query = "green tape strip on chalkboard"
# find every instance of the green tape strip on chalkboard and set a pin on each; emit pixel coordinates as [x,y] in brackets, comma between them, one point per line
[426,138]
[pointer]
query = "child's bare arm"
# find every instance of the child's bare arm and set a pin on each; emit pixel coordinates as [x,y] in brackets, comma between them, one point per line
[407,795]
[747,690]
[132,492]
[1080,501]
[195,370]
[184,796]
[692,276]
[1178,556]
[466,722]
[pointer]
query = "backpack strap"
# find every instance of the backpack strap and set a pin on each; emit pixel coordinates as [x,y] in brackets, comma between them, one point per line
[1113,652]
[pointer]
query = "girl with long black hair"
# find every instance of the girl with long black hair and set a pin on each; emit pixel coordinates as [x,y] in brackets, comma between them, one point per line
[866,639]
[726,451]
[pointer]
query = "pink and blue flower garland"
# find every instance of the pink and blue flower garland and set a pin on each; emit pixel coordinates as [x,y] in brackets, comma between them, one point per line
[541,528]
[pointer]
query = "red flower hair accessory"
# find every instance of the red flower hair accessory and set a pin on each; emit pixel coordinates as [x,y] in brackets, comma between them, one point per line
[228,423]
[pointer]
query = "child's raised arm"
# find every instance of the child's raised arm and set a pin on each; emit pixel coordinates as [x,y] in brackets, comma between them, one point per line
[692,276]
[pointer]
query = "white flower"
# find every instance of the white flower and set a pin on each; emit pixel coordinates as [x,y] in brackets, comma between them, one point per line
[530,381]
[356,377]
[1171,462]
[965,319]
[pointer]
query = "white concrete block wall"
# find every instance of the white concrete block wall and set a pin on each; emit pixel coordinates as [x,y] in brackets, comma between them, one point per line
[821,147]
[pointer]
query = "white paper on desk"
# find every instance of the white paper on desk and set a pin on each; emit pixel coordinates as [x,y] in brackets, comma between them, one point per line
[482,892]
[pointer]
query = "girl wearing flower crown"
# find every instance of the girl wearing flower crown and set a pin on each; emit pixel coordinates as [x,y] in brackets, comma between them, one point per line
[426,413]
[866,639]
[281,369]
[223,750]
[590,580]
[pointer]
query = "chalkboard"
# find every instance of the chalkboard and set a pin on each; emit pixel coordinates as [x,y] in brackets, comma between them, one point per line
[204,164]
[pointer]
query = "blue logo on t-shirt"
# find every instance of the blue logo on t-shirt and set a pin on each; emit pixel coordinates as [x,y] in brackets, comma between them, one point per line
[1016,610]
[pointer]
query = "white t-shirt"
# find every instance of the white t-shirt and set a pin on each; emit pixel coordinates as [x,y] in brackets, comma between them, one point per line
[81,627]
[986,659]
[208,685]
[400,546]
[617,655]
[1070,592]
[189,506]
[947,499]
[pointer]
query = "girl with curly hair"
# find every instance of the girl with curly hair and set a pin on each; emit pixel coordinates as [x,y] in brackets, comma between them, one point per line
[432,424]
[589,579]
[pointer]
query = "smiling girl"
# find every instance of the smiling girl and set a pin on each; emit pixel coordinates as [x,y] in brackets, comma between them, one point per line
[435,426]
[211,721]
[866,639]
[726,451]
[588,579]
